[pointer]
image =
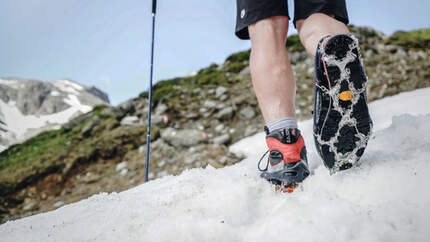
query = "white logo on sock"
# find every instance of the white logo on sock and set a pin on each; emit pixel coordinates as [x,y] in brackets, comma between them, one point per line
[242,13]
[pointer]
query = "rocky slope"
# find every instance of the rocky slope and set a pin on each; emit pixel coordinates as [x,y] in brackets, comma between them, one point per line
[28,107]
[195,119]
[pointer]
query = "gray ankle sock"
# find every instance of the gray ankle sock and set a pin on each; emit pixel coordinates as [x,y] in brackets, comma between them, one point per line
[282,123]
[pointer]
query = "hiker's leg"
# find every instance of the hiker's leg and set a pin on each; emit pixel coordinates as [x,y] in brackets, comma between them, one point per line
[272,75]
[315,27]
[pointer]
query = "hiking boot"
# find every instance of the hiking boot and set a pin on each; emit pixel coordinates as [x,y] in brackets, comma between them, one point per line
[342,123]
[287,163]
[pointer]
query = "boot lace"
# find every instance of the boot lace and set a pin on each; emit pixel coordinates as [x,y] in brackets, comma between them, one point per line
[267,164]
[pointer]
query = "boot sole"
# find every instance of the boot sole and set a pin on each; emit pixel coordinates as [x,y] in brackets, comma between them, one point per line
[342,124]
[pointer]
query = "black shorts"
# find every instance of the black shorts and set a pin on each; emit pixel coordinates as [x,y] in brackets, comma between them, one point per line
[251,11]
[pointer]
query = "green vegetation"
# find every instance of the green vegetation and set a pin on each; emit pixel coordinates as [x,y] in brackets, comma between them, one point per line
[212,76]
[59,150]
[416,39]
[239,57]
[294,44]
[51,142]
[36,155]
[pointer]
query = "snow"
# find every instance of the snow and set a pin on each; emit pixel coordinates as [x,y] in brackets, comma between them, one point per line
[68,86]
[55,93]
[73,101]
[22,127]
[21,124]
[10,83]
[384,199]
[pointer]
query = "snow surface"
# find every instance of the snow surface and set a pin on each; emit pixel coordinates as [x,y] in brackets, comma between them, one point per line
[384,199]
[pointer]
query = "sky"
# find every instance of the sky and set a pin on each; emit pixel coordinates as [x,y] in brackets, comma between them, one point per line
[107,43]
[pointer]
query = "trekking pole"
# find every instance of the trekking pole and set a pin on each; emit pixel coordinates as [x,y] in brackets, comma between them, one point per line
[148,132]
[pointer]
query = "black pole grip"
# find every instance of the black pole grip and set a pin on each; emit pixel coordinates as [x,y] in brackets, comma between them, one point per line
[154,6]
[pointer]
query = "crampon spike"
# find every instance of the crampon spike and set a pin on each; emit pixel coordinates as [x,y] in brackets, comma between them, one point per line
[286,188]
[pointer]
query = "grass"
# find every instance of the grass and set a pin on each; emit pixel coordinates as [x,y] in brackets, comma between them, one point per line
[212,76]
[294,44]
[416,39]
[171,89]
[59,149]
[36,154]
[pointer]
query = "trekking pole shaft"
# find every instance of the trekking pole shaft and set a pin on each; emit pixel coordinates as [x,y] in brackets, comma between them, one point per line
[148,132]
[154,6]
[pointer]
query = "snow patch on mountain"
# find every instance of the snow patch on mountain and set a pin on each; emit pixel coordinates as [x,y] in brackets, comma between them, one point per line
[384,199]
[30,107]
[68,86]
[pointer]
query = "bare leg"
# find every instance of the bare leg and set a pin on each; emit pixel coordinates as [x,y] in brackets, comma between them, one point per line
[315,27]
[271,71]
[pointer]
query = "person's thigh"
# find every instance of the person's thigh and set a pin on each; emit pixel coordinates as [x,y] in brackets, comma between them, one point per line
[269,33]
[252,11]
[305,8]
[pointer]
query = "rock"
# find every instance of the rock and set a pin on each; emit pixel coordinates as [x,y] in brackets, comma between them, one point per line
[223,97]
[156,119]
[250,130]
[108,111]
[197,90]
[190,159]
[151,175]
[215,164]
[239,99]
[86,130]
[223,160]
[401,53]
[225,114]
[130,121]
[90,178]
[191,115]
[245,72]
[221,106]
[161,108]
[220,91]
[58,204]
[142,149]
[297,56]
[222,139]
[124,172]
[30,204]
[121,166]
[182,138]
[76,121]
[209,104]
[125,108]
[172,160]
[162,174]
[247,113]
[161,163]
[219,128]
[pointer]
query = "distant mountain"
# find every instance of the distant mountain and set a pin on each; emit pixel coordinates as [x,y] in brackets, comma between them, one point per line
[28,107]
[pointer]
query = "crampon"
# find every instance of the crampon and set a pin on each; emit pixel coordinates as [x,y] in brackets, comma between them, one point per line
[286,164]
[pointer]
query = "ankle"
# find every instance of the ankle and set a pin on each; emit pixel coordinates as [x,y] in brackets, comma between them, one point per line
[282,123]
